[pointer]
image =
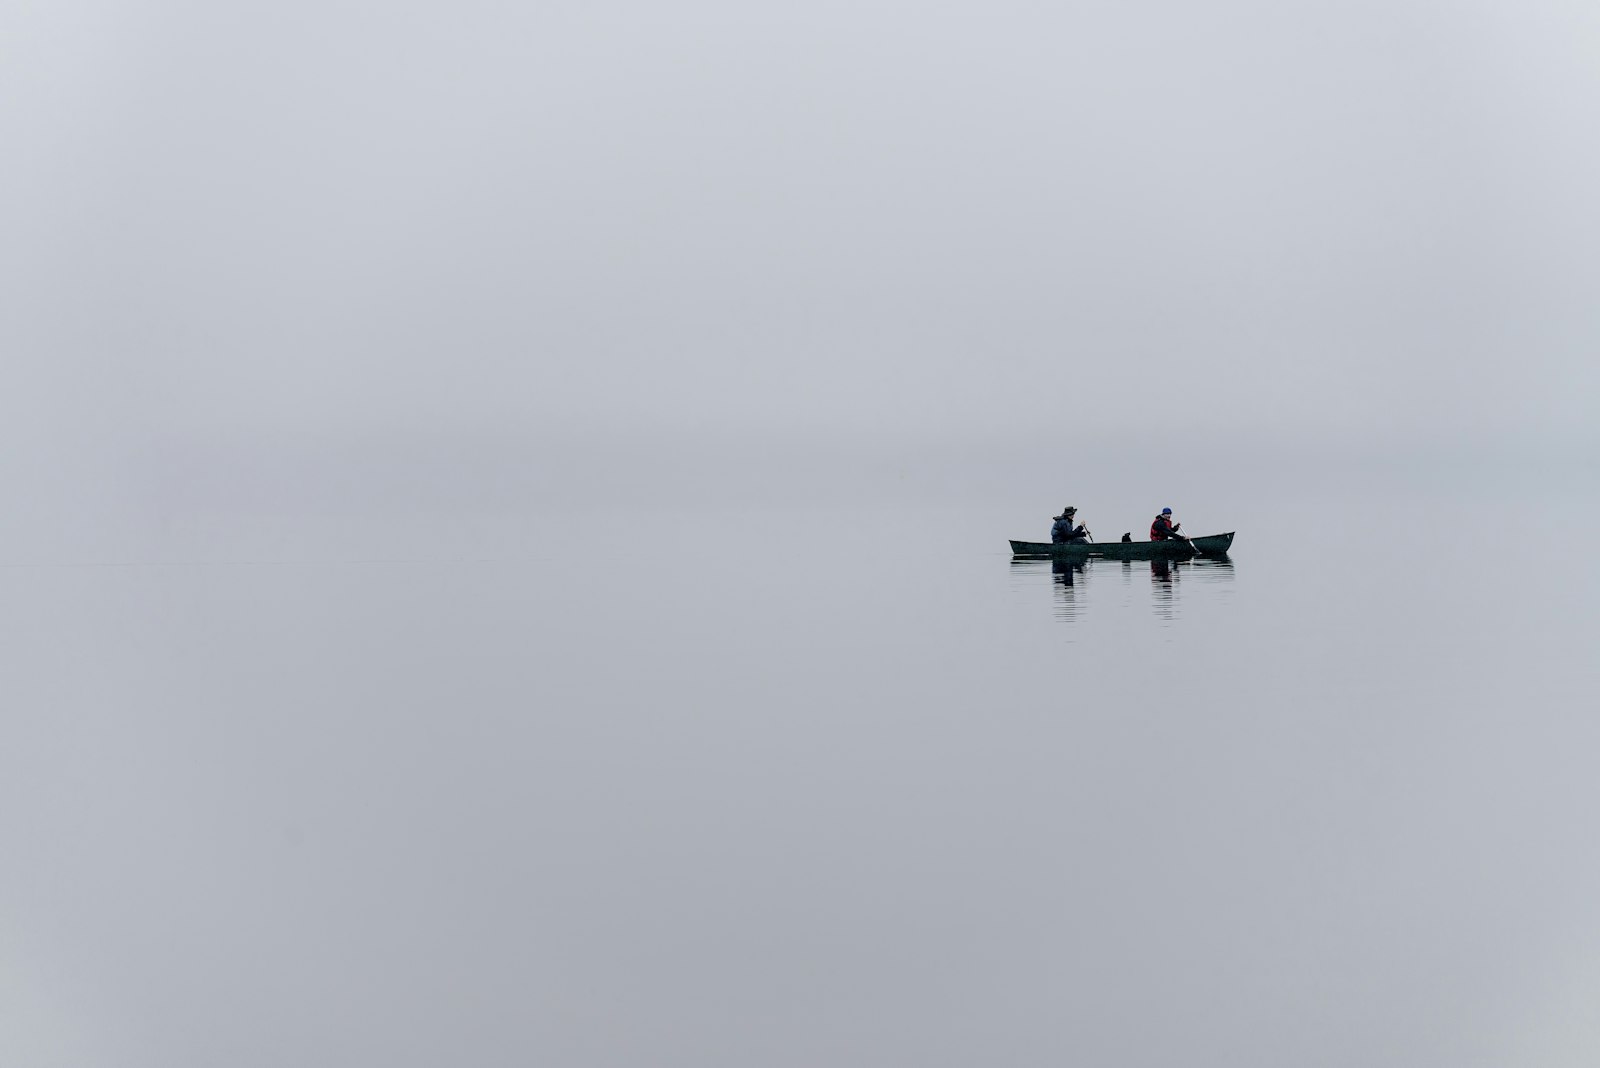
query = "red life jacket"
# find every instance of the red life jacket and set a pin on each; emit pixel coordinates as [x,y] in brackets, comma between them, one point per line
[1161,529]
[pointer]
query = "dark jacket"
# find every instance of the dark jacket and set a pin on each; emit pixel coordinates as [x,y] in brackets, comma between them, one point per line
[1163,528]
[1065,531]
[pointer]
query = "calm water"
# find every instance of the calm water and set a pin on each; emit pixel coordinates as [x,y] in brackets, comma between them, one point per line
[1156,584]
[812,786]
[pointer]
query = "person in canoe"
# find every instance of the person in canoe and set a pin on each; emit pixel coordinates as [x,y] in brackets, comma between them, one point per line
[1164,528]
[1066,529]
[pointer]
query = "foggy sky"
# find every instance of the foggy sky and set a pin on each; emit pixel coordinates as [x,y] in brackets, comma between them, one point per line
[825,219]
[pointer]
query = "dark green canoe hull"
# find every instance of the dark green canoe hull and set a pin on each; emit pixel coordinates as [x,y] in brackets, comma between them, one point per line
[1176,549]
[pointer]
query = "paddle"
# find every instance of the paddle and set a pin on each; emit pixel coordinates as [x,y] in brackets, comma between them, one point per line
[1173,535]
[1184,538]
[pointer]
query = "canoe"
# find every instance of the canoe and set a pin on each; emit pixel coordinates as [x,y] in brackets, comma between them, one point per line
[1176,549]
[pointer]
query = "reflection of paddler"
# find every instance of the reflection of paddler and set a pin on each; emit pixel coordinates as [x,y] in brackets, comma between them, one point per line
[1160,570]
[1065,569]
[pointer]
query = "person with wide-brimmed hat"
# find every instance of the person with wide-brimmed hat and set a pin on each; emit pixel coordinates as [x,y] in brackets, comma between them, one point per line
[1066,530]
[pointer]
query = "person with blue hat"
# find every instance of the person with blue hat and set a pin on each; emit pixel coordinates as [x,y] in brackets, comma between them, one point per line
[1164,528]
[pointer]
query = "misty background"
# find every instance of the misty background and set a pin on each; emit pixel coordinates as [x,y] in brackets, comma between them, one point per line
[277,257]
[504,550]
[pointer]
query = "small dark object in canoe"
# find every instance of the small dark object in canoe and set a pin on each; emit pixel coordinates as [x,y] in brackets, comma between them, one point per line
[1174,549]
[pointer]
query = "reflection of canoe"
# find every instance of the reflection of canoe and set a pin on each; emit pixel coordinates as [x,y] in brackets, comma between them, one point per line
[1176,549]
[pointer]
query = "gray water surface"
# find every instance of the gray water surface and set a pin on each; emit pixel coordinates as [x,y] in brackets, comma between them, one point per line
[809,786]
